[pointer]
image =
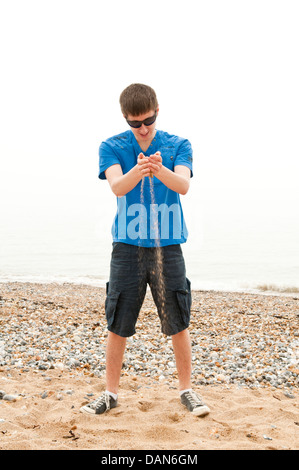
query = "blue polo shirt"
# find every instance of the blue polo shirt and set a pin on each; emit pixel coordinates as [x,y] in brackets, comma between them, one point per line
[150,214]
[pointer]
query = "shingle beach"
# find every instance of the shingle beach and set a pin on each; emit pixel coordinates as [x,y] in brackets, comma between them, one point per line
[52,359]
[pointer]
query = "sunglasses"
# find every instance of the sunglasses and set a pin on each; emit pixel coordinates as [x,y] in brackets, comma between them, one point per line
[147,122]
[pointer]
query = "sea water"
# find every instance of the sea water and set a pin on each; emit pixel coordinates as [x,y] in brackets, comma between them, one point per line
[250,247]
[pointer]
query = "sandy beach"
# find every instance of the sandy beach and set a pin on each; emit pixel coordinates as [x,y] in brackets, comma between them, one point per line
[52,349]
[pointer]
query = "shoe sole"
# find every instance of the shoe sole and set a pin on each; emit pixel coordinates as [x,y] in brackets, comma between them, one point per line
[87,411]
[201,411]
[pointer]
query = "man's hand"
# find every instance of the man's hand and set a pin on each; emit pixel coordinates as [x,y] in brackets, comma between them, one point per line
[155,163]
[143,165]
[149,166]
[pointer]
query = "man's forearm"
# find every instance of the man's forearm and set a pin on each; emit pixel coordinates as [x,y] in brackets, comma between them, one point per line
[173,181]
[125,183]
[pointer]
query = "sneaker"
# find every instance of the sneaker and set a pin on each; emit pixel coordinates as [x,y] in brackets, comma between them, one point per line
[194,403]
[104,403]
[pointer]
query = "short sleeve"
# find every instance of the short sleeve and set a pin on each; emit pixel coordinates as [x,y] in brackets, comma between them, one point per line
[107,158]
[184,155]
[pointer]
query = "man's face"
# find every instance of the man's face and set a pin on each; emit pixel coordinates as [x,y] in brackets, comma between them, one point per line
[144,133]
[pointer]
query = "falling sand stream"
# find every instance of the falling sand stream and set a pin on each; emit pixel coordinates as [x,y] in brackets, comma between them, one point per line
[157,269]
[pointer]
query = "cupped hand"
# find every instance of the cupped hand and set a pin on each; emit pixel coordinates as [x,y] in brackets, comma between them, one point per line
[155,162]
[143,165]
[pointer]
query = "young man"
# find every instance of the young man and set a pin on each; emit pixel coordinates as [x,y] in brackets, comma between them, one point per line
[147,170]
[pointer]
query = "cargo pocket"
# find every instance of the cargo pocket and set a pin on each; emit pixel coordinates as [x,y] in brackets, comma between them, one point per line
[110,305]
[184,301]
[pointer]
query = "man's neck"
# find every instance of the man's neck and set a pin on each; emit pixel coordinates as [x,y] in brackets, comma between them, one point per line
[144,144]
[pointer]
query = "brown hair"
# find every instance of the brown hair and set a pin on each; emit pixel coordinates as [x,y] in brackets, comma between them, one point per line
[138,99]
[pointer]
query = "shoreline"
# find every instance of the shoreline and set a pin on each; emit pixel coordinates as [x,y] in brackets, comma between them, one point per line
[265,291]
[52,359]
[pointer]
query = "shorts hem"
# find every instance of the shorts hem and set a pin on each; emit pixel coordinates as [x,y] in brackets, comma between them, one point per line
[178,330]
[123,335]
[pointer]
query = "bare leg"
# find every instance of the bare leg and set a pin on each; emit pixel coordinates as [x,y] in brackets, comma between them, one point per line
[182,350]
[114,358]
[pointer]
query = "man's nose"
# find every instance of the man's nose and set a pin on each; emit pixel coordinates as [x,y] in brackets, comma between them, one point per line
[143,129]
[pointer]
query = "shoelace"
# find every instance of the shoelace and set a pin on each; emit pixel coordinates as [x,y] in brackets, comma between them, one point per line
[194,399]
[105,398]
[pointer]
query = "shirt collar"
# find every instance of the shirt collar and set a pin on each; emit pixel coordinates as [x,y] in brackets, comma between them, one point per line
[153,147]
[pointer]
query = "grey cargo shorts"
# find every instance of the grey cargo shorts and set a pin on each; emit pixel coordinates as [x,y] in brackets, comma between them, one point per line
[131,269]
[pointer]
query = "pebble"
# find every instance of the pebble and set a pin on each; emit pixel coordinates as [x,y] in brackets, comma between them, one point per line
[246,339]
[8,397]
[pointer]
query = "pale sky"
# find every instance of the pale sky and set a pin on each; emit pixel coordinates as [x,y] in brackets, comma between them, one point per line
[226,74]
